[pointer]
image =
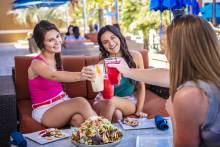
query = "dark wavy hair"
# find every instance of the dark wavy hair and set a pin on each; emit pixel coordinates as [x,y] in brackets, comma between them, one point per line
[68,33]
[39,35]
[76,32]
[123,47]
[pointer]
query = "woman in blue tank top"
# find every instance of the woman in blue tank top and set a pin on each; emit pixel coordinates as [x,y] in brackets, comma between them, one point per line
[194,55]
[129,95]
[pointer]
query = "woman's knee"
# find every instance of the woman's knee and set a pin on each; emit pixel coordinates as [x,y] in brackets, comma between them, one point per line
[118,115]
[77,120]
[102,105]
[97,107]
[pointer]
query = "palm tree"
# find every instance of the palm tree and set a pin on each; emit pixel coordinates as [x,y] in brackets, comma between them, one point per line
[136,16]
[31,16]
[94,8]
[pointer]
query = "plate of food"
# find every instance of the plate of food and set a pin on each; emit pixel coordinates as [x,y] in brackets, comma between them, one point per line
[47,135]
[137,123]
[96,131]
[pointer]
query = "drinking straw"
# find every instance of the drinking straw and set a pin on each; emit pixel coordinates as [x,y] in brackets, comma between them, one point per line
[97,69]
[104,68]
[116,58]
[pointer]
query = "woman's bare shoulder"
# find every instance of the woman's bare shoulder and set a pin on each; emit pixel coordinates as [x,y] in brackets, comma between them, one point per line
[135,53]
[137,57]
[37,62]
[190,102]
[33,68]
[189,95]
[39,66]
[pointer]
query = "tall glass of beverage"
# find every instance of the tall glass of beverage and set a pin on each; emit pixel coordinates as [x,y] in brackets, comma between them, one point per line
[98,83]
[113,73]
[108,91]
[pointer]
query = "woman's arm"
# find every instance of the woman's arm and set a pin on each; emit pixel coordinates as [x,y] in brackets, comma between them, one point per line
[140,87]
[153,76]
[42,69]
[190,107]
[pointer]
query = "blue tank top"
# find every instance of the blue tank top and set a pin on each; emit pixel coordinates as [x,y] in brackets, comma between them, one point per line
[210,130]
[125,88]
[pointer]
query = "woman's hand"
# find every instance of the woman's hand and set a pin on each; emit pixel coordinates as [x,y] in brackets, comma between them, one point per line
[88,74]
[122,67]
[141,114]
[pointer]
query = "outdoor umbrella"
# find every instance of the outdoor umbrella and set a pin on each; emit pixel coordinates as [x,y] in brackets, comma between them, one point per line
[20,4]
[195,7]
[207,11]
[156,5]
[174,4]
[162,5]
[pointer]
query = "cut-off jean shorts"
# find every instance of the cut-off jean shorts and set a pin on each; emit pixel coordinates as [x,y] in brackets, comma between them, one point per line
[38,112]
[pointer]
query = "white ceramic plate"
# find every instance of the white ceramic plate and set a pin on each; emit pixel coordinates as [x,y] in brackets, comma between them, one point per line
[103,145]
[144,123]
[41,140]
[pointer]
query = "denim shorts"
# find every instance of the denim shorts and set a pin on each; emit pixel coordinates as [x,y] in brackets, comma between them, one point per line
[38,113]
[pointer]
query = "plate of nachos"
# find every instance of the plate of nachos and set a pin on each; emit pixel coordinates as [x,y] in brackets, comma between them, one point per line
[96,131]
[47,135]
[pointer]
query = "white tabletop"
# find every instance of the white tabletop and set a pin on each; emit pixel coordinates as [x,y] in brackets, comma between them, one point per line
[131,138]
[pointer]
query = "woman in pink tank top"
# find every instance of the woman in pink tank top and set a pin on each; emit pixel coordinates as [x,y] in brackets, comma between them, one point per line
[51,106]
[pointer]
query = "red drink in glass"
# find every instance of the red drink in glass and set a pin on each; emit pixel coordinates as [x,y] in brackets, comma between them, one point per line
[113,73]
[108,91]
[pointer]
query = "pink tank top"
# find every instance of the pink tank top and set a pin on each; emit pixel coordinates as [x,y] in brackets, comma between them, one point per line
[42,89]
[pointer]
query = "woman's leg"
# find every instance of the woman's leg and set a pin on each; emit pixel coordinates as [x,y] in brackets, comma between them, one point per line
[77,120]
[106,108]
[117,116]
[61,114]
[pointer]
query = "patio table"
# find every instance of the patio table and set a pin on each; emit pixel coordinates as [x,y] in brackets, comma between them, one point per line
[128,140]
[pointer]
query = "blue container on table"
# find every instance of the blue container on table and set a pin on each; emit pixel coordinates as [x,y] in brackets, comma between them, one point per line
[161,123]
[17,139]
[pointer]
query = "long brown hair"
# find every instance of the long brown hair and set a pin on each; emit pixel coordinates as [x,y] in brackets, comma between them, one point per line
[39,33]
[193,52]
[124,48]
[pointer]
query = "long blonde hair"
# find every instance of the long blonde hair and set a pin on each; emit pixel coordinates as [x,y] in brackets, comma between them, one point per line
[194,52]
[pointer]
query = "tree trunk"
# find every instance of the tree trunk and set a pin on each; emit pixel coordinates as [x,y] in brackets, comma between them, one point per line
[146,43]
[146,39]
[101,17]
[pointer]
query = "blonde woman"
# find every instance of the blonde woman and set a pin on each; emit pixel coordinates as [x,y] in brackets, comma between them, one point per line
[194,56]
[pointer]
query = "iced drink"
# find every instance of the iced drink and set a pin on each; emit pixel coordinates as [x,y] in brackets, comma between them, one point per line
[108,91]
[113,73]
[98,84]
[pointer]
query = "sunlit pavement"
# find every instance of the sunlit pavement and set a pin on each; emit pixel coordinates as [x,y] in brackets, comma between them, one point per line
[7,53]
